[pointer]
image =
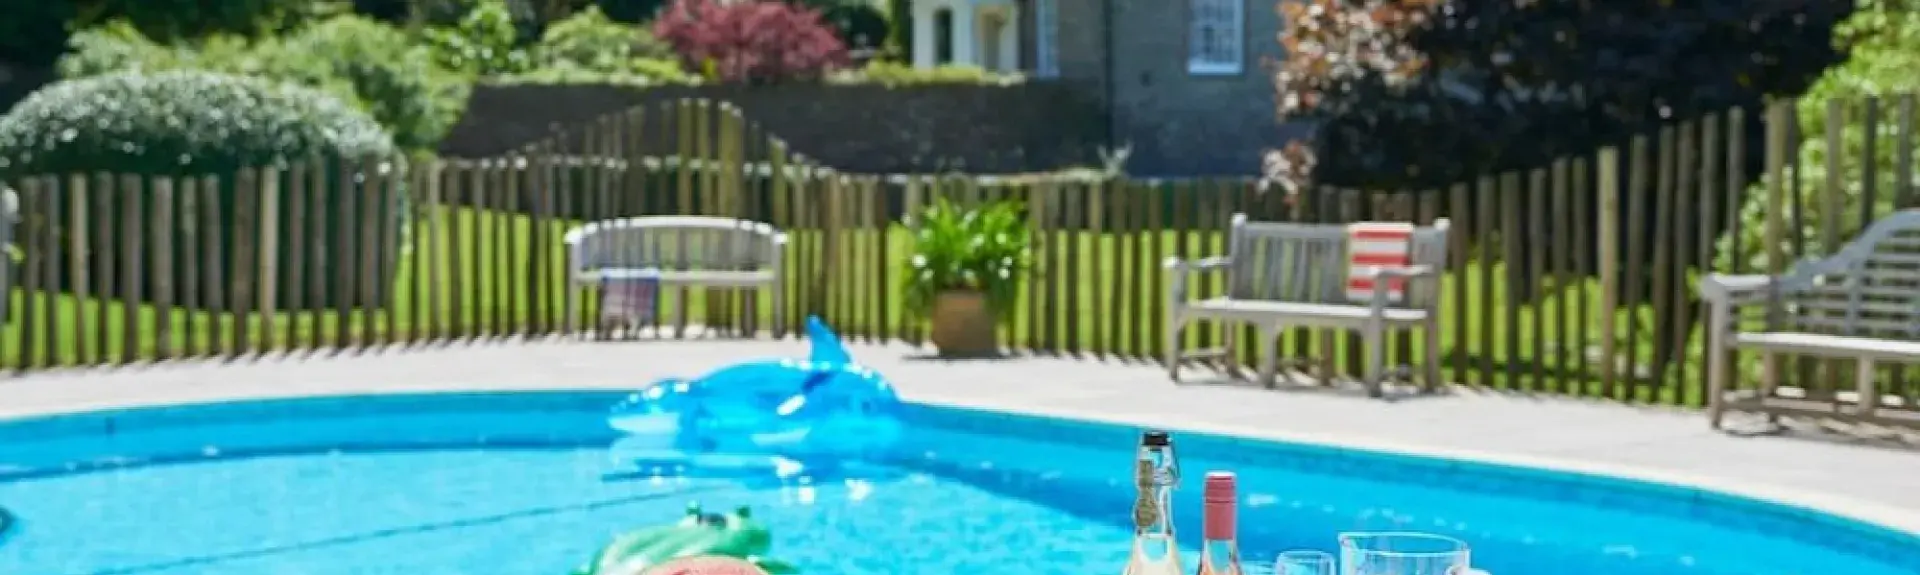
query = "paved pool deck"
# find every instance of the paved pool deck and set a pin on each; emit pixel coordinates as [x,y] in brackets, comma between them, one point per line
[1878,482]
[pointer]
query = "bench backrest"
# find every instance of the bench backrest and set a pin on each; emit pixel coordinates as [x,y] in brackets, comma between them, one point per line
[1870,288]
[1314,263]
[674,243]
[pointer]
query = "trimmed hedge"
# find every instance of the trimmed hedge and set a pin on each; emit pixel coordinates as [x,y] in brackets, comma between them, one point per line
[899,75]
[192,123]
[179,123]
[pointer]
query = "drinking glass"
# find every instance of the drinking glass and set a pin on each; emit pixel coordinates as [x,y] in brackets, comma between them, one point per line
[1402,553]
[1303,562]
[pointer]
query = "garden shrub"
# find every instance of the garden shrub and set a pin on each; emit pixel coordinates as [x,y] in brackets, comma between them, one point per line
[483,43]
[1883,38]
[394,80]
[359,60]
[589,48]
[189,123]
[590,40]
[895,74]
[179,122]
[751,42]
[117,46]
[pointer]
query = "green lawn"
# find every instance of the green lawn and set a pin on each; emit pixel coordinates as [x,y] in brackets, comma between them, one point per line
[1106,293]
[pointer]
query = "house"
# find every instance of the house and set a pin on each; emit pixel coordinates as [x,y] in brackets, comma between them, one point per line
[1186,82]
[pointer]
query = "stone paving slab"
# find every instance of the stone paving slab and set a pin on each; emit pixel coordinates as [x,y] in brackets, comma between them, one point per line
[1875,482]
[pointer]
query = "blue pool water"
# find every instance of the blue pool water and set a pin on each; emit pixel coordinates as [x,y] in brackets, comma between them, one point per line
[520,483]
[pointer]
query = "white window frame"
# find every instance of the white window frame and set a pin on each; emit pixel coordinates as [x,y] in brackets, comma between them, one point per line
[1228,55]
[1046,38]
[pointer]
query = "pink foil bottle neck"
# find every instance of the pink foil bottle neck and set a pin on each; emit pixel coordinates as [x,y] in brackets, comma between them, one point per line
[1218,511]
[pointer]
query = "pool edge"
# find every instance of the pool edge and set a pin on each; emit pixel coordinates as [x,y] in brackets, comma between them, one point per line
[1841,507]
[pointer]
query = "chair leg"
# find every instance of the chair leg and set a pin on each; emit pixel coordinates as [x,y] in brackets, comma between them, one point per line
[1376,360]
[1326,356]
[1269,355]
[1431,376]
[779,311]
[1175,323]
[1769,381]
[1229,336]
[1863,384]
[1717,358]
[571,323]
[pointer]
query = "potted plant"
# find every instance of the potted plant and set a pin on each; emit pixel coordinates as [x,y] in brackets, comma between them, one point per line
[964,272]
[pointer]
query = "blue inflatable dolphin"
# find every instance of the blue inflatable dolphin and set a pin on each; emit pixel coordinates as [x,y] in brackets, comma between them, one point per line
[815,411]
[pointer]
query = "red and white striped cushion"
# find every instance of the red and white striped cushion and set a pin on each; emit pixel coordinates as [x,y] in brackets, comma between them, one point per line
[1377,245]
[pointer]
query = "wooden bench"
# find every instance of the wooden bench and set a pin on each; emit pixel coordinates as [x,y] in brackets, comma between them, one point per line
[680,251]
[1281,275]
[1862,304]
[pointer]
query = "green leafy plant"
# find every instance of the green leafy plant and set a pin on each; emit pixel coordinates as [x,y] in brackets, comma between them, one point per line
[589,48]
[1883,42]
[372,65]
[393,79]
[482,44]
[590,40]
[982,249]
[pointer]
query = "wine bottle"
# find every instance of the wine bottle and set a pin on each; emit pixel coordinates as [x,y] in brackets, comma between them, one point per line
[1219,522]
[1155,551]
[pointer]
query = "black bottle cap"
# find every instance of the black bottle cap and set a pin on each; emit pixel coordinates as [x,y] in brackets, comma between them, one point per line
[1155,439]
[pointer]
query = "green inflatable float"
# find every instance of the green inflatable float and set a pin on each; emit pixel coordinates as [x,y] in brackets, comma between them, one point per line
[734,535]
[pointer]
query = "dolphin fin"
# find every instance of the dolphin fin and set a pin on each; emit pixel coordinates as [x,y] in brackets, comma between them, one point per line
[816,379]
[826,345]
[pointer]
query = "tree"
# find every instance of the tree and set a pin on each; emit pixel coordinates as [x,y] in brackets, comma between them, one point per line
[33,32]
[169,20]
[751,42]
[1418,93]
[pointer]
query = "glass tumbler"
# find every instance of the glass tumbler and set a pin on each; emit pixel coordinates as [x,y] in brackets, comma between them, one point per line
[1304,562]
[1402,553]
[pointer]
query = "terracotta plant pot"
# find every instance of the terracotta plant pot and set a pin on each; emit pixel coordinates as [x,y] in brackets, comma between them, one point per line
[963,324]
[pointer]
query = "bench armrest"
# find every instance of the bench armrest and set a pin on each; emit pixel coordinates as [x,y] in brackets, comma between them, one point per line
[1179,269]
[1378,274]
[1410,272]
[1175,264]
[1734,290]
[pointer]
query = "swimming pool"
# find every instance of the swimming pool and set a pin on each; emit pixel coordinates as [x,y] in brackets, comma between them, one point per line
[518,483]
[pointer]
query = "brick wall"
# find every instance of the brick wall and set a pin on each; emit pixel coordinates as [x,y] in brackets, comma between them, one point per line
[1187,124]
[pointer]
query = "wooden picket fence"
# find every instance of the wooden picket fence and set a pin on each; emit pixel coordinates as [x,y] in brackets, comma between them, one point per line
[1575,278]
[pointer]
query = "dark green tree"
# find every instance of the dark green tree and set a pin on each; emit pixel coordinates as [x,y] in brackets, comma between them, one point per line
[1419,93]
[33,32]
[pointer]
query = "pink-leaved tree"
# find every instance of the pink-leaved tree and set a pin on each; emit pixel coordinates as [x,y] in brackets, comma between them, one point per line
[752,42]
